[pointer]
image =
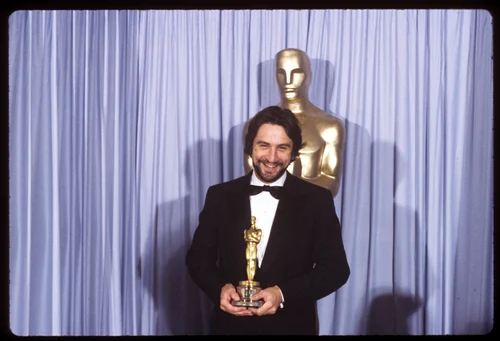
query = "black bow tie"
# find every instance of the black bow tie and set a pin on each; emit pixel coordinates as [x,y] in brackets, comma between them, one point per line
[273,190]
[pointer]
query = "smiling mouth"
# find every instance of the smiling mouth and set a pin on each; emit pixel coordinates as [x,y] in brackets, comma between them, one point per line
[271,166]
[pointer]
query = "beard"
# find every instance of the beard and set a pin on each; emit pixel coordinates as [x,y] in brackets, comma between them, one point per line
[268,177]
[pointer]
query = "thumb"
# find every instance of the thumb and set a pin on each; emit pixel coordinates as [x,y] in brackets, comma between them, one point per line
[235,296]
[258,295]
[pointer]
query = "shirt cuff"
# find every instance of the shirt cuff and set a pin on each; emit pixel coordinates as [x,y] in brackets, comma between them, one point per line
[282,298]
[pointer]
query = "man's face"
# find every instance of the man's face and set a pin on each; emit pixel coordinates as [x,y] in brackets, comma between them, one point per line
[271,152]
[292,75]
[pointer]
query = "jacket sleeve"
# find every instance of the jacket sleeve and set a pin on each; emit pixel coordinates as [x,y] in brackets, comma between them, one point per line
[331,270]
[201,258]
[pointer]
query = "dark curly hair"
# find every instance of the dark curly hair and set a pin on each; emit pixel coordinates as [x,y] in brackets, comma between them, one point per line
[278,116]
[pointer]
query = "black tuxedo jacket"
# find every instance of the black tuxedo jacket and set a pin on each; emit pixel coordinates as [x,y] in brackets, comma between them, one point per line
[305,255]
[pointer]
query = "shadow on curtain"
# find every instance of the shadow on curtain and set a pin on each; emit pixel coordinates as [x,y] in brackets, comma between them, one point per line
[392,310]
[181,307]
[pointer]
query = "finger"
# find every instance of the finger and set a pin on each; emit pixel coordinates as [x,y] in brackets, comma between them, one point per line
[239,311]
[230,308]
[256,311]
[266,297]
[244,312]
[258,296]
[226,305]
[235,296]
[266,309]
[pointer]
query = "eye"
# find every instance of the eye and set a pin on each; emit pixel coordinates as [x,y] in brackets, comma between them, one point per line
[281,75]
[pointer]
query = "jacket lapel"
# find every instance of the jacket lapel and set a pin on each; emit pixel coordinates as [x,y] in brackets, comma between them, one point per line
[238,209]
[286,214]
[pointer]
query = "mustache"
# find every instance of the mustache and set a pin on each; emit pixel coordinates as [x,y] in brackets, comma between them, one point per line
[271,163]
[277,164]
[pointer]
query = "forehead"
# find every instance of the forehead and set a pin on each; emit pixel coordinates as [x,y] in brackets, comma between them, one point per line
[290,60]
[272,134]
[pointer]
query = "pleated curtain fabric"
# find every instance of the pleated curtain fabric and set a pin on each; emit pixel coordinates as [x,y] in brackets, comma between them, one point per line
[120,120]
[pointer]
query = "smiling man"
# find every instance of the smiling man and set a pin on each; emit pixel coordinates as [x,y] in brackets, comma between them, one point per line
[300,257]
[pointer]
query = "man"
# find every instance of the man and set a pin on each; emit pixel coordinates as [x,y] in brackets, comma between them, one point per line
[304,255]
[321,160]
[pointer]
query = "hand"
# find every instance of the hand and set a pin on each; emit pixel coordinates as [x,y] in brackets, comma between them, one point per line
[272,301]
[227,293]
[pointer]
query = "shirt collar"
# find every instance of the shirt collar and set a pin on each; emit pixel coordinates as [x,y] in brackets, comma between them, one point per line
[256,181]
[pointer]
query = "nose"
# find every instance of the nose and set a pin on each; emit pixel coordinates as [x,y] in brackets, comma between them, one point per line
[272,156]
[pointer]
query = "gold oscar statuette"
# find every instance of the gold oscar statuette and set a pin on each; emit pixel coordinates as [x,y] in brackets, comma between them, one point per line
[250,287]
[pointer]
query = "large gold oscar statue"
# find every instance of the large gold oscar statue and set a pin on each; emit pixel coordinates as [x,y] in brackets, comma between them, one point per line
[321,160]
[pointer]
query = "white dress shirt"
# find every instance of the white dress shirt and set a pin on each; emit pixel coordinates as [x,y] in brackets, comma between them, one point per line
[263,208]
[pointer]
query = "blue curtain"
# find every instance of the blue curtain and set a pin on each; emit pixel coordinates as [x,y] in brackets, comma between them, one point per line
[121,119]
